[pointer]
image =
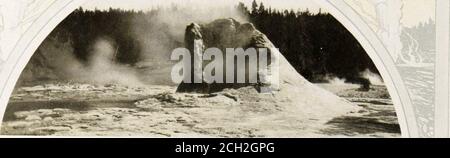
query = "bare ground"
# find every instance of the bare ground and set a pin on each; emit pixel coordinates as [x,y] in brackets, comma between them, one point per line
[376,119]
[73,109]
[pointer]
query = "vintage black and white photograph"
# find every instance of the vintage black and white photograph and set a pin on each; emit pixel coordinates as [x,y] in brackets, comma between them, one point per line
[117,68]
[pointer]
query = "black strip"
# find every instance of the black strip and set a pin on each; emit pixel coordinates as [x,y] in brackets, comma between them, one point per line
[151,147]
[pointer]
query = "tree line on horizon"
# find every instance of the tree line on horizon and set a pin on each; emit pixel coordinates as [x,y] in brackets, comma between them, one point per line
[316,44]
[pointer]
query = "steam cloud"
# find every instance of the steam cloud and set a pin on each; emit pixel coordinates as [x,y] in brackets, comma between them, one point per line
[374,78]
[335,80]
[56,61]
[172,23]
[103,67]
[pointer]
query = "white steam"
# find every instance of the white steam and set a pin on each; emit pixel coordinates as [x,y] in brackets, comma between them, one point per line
[335,80]
[163,31]
[374,78]
[171,21]
[103,67]
[157,35]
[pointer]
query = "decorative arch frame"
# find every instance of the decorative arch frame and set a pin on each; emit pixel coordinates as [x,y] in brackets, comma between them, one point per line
[50,17]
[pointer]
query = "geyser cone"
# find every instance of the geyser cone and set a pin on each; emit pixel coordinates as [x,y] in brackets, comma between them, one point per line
[294,93]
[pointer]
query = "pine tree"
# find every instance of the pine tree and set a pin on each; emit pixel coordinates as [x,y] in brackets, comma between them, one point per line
[254,7]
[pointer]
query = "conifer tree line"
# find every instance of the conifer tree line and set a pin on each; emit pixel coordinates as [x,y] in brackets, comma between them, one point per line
[316,44]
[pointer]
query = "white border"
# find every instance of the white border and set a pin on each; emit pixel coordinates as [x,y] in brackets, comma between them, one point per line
[442,69]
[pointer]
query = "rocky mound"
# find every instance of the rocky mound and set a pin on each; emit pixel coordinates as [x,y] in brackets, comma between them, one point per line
[293,91]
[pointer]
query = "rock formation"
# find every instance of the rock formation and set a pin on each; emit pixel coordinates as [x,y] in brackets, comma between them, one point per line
[222,34]
[294,91]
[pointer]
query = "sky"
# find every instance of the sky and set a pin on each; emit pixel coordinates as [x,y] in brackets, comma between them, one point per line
[414,11]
